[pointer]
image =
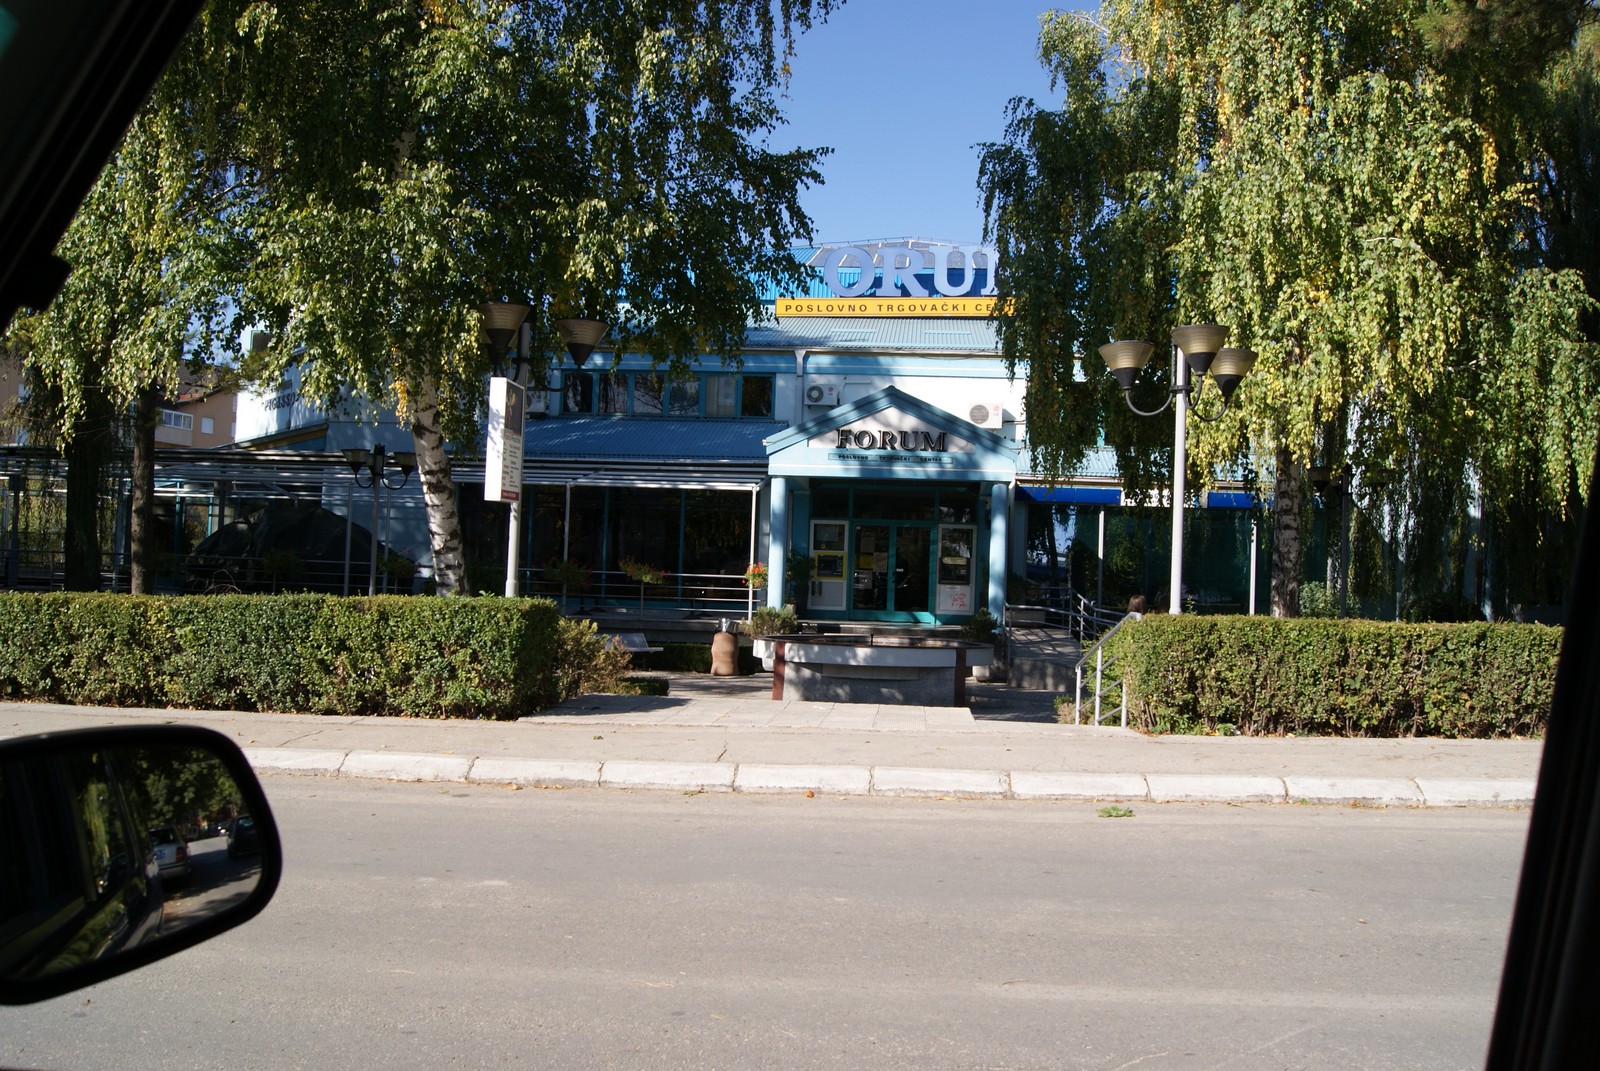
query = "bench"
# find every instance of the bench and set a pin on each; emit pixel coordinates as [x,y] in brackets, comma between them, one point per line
[633,642]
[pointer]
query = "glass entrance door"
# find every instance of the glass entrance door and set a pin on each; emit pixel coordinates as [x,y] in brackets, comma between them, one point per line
[892,571]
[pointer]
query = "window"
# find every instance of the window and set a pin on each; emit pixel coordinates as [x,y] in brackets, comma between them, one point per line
[613,393]
[648,394]
[207,426]
[722,396]
[174,419]
[577,392]
[757,397]
[684,397]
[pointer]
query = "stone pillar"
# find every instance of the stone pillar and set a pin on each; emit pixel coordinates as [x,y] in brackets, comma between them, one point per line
[999,522]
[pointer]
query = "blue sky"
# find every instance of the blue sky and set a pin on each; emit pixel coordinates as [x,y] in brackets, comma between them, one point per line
[903,91]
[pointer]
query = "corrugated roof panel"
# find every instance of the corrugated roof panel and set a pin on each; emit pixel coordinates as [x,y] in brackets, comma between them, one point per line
[662,441]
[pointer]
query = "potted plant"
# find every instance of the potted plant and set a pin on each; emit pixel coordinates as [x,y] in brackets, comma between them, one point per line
[755,575]
[568,575]
[798,566]
[769,621]
[641,573]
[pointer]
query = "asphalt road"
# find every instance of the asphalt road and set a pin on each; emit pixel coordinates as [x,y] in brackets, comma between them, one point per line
[457,926]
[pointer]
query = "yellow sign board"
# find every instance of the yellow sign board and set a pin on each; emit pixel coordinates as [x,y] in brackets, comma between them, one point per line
[971,307]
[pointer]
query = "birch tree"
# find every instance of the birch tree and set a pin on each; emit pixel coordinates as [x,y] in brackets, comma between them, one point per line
[402,163]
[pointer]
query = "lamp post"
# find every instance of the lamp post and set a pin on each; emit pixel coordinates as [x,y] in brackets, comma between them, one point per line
[1196,350]
[503,326]
[372,463]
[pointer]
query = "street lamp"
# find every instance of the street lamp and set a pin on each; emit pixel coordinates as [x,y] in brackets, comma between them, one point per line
[581,337]
[1196,350]
[371,462]
[502,325]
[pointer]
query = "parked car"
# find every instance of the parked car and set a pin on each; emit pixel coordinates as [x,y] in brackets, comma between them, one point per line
[172,853]
[242,837]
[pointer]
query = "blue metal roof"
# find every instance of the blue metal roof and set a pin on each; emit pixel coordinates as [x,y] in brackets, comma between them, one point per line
[665,441]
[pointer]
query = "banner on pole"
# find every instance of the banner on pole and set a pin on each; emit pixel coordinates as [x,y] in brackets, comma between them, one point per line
[502,466]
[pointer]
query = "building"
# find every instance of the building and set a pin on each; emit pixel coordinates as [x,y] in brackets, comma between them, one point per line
[868,449]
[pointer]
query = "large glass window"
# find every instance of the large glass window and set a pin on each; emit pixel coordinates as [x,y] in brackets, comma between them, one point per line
[577,392]
[649,394]
[613,393]
[722,396]
[757,396]
[684,397]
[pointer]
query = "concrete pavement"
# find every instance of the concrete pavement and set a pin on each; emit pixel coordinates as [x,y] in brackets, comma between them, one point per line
[727,735]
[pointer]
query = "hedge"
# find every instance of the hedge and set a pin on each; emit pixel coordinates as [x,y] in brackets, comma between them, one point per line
[412,656]
[1273,676]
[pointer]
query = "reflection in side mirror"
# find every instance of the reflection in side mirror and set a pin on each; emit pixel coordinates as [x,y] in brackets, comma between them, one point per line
[122,846]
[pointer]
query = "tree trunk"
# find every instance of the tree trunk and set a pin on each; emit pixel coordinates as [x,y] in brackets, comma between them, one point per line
[439,492]
[86,455]
[1286,538]
[141,524]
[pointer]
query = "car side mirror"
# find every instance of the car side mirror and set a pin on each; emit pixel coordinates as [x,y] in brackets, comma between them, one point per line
[121,846]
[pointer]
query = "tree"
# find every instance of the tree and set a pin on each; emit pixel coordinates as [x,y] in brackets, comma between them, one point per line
[150,285]
[401,163]
[1302,173]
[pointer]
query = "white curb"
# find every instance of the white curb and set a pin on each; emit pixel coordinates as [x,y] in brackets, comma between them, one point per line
[1378,791]
[539,773]
[847,780]
[688,776]
[1214,788]
[293,759]
[1447,792]
[923,781]
[405,766]
[1031,785]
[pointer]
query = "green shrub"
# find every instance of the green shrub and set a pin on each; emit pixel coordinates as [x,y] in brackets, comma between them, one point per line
[1271,676]
[644,684]
[392,655]
[769,621]
[1318,600]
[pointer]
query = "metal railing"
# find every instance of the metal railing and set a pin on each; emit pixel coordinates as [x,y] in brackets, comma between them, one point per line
[1102,665]
[1061,607]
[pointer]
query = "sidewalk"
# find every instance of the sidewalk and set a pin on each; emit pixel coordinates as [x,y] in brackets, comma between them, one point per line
[726,734]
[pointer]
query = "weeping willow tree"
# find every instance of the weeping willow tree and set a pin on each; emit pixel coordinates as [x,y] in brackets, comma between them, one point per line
[398,163]
[1313,176]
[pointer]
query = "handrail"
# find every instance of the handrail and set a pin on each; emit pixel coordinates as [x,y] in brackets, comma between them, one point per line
[1101,664]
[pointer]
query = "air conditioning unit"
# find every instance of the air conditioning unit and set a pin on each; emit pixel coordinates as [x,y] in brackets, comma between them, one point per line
[987,414]
[822,394]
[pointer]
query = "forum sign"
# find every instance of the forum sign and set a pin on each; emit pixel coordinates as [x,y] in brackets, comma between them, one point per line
[906,278]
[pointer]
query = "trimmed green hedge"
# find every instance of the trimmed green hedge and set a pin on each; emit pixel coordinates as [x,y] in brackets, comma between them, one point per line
[411,656]
[1270,676]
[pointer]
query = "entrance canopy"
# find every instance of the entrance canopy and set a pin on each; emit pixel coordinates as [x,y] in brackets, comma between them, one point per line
[890,435]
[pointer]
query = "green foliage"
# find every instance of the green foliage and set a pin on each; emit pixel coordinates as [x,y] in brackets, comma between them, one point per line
[413,656]
[645,684]
[184,787]
[1304,173]
[1269,676]
[771,621]
[1318,600]
[981,627]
